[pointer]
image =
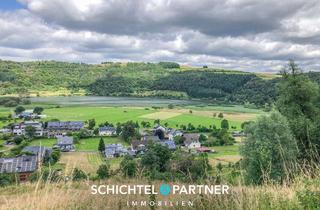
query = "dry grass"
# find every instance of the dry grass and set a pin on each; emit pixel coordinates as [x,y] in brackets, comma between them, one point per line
[162,115]
[77,196]
[86,161]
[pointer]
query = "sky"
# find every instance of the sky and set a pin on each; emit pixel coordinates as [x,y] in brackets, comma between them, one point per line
[249,35]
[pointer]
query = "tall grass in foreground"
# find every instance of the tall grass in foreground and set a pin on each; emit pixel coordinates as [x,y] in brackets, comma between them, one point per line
[302,193]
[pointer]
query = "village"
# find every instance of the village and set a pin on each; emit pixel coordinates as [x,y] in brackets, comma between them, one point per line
[30,158]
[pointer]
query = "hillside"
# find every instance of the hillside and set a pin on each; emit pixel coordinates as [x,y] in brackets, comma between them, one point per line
[135,79]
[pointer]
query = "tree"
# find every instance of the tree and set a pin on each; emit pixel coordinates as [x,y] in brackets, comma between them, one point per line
[128,130]
[102,145]
[103,171]
[170,106]
[157,157]
[54,157]
[270,151]
[78,174]
[225,124]
[38,110]
[91,123]
[202,138]
[30,131]
[220,115]
[19,110]
[298,101]
[128,166]
[18,139]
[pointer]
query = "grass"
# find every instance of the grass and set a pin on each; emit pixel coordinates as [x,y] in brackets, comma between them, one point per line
[43,142]
[93,143]
[224,154]
[121,114]
[77,196]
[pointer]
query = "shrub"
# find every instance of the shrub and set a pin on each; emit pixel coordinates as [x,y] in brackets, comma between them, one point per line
[103,171]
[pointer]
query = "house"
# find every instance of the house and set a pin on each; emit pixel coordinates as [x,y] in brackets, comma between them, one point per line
[150,138]
[169,143]
[172,133]
[160,131]
[23,166]
[65,143]
[107,131]
[27,114]
[115,150]
[238,134]
[139,145]
[191,141]
[204,150]
[40,152]
[19,129]
[57,128]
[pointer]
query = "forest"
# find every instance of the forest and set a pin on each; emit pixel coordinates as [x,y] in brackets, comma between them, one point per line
[163,79]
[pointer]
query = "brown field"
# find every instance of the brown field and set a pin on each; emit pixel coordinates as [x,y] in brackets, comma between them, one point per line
[86,161]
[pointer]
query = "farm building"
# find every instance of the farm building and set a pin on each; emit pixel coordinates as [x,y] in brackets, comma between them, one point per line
[107,131]
[23,166]
[205,150]
[65,143]
[58,128]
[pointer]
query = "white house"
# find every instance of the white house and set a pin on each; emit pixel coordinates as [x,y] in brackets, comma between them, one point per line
[107,131]
[192,141]
[19,129]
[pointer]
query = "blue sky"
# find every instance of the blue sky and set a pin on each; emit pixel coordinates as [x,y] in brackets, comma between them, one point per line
[9,5]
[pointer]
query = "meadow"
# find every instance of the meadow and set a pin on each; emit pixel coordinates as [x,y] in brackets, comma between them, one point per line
[174,117]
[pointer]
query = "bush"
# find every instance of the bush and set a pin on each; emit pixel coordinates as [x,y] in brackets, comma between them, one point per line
[128,166]
[103,171]
[78,174]
[270,151]
[6,179]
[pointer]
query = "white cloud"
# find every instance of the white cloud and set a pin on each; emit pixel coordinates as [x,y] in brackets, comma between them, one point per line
[238,34]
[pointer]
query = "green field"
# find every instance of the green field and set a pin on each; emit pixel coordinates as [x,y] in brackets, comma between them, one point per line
[93,143]
[224,150]
[121,114]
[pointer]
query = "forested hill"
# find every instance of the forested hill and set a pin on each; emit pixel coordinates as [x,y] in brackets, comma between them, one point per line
[165,79]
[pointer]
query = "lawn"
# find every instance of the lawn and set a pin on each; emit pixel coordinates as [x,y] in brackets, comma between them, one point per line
[91,144]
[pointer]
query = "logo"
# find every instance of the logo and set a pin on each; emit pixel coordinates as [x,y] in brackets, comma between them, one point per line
[165,189]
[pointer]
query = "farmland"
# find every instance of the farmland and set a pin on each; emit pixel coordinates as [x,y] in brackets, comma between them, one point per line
[174,118]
